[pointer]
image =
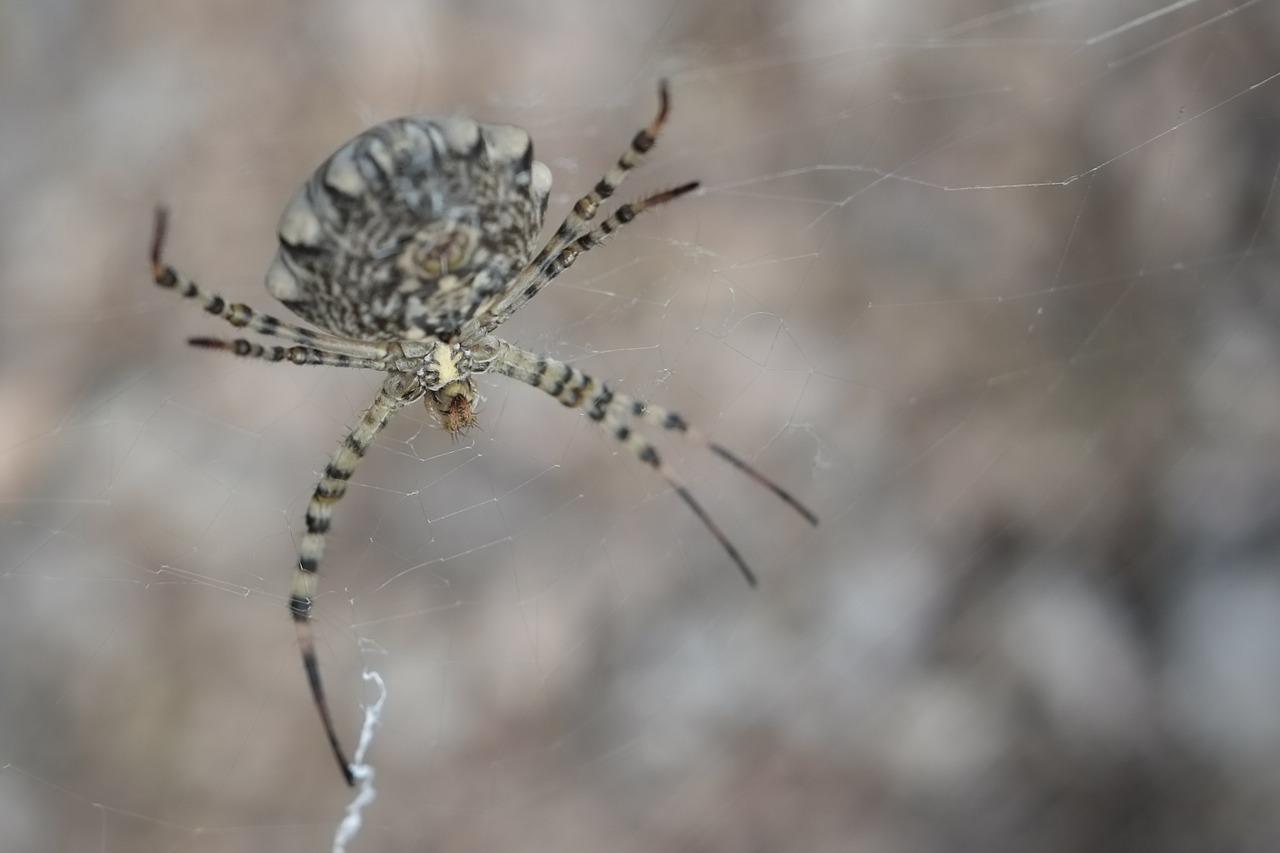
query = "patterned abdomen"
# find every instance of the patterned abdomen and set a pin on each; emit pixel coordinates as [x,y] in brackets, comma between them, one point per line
[405,231]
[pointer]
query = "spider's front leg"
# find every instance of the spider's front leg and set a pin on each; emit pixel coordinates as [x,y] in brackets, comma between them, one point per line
[398,390]
[617,413]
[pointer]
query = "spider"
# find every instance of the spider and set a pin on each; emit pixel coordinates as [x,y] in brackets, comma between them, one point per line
[409,246]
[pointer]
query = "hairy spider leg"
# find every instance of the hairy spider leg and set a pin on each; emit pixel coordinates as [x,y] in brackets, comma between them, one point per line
[562,261]
[586,207]
[535,275]
[240,315]
[294,355]
[398,390]
[614,413]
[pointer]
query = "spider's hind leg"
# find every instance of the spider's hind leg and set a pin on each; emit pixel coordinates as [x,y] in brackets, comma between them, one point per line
[237,313]
[586,207]
[572,237]
[294,355]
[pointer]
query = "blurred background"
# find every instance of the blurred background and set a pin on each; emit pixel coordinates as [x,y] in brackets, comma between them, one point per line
[990,286]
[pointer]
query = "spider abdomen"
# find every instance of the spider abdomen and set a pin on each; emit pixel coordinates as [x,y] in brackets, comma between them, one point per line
[407,230]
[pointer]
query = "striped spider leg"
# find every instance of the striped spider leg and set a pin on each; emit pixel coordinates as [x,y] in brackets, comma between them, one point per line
[409,245]
[616,414]
[562,249]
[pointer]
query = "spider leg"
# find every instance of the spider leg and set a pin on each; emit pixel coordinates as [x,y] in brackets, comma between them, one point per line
[586,207]
[236,313]
[396,391]
[535,275]
[552,267]
[614,412]
[623,215]
[660,416]
[295,354]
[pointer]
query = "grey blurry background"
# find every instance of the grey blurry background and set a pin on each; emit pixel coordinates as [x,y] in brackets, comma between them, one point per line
[990,286]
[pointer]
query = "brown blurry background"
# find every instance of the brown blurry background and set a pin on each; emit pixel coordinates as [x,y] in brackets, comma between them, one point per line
[992,287]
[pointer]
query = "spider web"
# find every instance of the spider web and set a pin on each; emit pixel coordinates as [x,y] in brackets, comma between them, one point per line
[989,286]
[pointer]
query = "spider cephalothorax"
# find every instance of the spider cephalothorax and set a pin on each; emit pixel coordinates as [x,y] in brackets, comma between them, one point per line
[410,245]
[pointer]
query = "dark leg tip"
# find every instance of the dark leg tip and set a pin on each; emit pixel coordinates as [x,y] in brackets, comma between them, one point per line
[158,233]
[664,106]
